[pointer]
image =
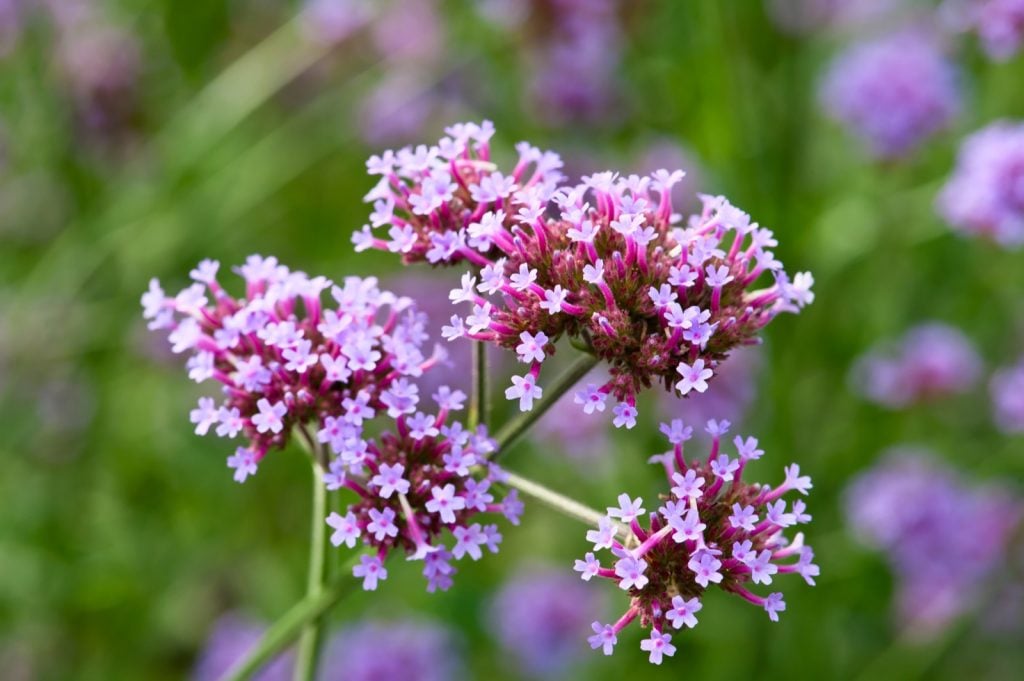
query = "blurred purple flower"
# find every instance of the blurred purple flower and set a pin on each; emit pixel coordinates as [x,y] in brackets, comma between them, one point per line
[10,25]
[409,31]
[379,651]
[944,539]
[1007,389]
[893,92]
[232,637]
[930,361]
[564,430]
[805,16]
[538,617]
[998,23]
[728,397]
[985,194]
[332,21]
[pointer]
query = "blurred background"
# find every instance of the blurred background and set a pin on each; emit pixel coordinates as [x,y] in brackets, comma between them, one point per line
[138,137]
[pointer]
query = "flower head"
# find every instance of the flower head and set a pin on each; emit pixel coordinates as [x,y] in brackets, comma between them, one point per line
[729,535]
[985,194]
[606,262]
[417,650]
[1007,389]
[893,92]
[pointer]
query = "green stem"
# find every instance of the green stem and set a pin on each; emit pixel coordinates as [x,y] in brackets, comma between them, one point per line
[515,428]
[563,504]
[312,635]
[478,400]
[284,630]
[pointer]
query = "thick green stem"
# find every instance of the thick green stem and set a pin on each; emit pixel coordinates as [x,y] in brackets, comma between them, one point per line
[478,400]
[515,428]
[563,504]
[312,635]
[284,630]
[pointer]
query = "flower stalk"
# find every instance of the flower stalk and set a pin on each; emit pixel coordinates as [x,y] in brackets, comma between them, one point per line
[312,634]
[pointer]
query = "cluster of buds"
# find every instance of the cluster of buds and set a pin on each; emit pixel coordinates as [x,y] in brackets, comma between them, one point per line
[712,528]
[419,477]
[607,263]
[286,363]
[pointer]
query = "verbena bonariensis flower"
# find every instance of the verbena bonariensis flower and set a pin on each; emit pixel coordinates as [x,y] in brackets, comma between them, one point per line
[711,528]
[606,262]
[893,92]
[1007,390]
[414,481]
[931,361]
[417,650]
[537,617]
[985,194]
[282,359]
[943,538]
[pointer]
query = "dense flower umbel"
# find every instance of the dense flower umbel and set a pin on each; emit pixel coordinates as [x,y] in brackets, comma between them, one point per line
[282,359]
[414,481]
[985,194]
[605,262]
[712,528]
[1007,389]
[893,92]
[944,539]
[932,360]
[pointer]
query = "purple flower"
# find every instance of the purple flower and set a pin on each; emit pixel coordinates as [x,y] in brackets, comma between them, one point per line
[930,361]
[573,257]
[984,196]
[413,650]
[698,539]
[998,23]
[232,637]
[944,539]
[1007,390]
[893,92]
[538,617]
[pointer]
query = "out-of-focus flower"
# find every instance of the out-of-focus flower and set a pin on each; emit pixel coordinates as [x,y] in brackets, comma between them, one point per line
[985,194]
[943,538]
[893,92]
[805,16]
[10,25]
[537,617]
[231,639]
[728,397]
[930,361]
[713,528]
[999,24]
[378,650]
[1007,389]
[101,64]
[332,21]
[605,262]
[409,31]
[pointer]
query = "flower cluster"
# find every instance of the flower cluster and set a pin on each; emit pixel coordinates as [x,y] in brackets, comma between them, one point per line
[712,528]
[943,538]
[233,636]
[1007,389]
[414,481]
[730,397]
[606,262]
[930,361]
[892,92]
[537,617]
[282,359]
[985,195]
